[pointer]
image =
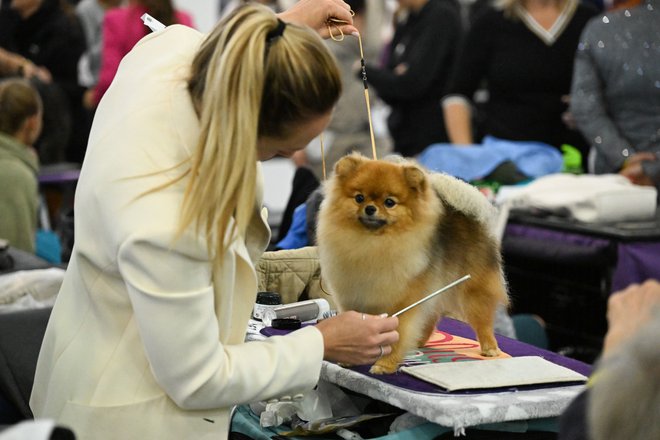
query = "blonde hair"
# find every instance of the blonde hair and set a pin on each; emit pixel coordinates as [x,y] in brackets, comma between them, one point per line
[246,83]
[19,100]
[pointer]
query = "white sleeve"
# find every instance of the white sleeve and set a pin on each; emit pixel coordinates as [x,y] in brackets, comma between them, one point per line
[170,288]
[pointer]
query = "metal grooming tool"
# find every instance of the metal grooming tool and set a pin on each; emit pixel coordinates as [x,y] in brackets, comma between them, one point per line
[437,292]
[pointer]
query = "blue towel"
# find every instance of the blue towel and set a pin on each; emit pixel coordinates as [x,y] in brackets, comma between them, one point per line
[48,246]
[474,162]
[296,236]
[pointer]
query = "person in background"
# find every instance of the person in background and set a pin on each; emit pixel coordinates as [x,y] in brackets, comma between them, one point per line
[616,92]
[414,77]
[122,29]
[147,337]
[348,130]
[349,127]
[20,126]
[276,6]
[622,400]
[520,53]
[91,14]
[48,35]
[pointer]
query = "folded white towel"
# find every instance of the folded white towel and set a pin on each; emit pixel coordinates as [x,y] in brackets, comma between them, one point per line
[587,198]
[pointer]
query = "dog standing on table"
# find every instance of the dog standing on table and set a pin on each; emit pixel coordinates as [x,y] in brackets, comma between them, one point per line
[389,233]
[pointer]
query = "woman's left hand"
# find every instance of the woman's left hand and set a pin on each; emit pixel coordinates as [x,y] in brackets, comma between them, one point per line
[634,170]
[354,338]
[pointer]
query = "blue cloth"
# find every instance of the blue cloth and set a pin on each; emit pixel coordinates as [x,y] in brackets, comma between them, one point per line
[48,246]
[533,159]
[296,237]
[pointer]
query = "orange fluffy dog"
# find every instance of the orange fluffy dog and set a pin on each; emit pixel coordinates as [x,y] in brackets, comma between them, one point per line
[389,233]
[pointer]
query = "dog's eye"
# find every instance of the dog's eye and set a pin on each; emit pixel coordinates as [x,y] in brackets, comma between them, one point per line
[389,203]
[359,198]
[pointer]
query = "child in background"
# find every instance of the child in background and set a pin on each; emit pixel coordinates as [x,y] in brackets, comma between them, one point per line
[20,126]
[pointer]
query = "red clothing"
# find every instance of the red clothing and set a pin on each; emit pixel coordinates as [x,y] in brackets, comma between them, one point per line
[122,29]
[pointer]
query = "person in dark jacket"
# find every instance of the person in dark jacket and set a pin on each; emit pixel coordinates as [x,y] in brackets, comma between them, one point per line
[48,34]
[416,70]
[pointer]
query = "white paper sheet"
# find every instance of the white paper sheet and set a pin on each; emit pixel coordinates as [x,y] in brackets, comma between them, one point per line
[495,373]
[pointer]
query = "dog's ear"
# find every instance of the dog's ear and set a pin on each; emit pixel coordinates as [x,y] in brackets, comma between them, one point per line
[415,177]
[348,164]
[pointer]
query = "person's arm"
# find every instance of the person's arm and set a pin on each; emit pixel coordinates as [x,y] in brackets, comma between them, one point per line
[627,311]
[652,171]
[317,13]
[178,320]
[354,338]
[641,168]
[458,119]
[14,64]
[10,64]
[467,76]
[179,328]
[588,105]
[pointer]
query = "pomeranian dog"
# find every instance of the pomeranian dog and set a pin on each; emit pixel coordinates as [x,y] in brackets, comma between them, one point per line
[389,233]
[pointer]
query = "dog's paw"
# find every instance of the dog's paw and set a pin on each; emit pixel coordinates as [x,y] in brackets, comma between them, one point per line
[384,367]
[378,369]
[491,352]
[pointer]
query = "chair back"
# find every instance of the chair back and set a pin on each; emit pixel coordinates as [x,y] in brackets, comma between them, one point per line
[21,335]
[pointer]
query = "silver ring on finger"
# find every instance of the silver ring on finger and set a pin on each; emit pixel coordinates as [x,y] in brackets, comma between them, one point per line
[382,351]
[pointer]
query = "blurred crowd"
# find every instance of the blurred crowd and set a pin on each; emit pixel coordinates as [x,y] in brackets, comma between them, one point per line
[573,75]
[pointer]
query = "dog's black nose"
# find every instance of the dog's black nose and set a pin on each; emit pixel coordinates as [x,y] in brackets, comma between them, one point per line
[370,210]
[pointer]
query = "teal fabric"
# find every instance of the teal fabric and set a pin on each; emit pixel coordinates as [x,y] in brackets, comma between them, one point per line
[530,330]
[48,246]
[246,422]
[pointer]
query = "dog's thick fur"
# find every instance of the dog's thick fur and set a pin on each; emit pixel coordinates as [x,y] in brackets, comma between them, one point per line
[390,233]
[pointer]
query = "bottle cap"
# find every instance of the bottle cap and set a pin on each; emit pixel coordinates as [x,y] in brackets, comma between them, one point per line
[324,307]
[286,324]
[269,298]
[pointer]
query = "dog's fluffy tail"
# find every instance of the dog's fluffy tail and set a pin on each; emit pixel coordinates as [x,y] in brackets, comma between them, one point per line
[460,195]
[464,197]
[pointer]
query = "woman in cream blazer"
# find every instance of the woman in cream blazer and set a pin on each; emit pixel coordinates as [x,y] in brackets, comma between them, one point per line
[146,338]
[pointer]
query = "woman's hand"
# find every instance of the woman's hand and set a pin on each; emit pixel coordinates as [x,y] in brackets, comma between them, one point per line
[357,338]
[628,310]
[317,13]
[88,99]
[634,171]
[30,70]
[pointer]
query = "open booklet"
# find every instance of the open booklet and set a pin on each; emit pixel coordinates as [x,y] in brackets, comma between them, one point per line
[494,373]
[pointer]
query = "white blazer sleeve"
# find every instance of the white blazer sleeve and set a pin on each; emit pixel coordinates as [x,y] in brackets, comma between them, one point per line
[172,295]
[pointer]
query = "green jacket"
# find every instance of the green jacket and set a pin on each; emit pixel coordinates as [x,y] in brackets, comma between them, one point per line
[19,197]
